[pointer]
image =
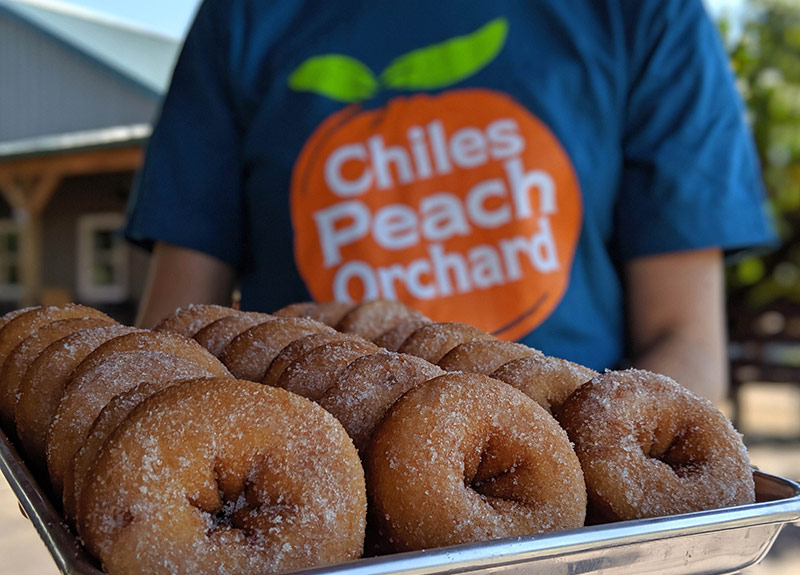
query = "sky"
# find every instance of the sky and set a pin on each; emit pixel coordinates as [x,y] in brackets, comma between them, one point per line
[172,17]
[167,17]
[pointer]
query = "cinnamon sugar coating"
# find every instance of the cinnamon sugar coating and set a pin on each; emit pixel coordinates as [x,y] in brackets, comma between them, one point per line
[432,341]
[546,379]
[371,318]
[366,389]
[465,458]
[249,355]
[484,355]
[188,320]
[260,481]
[649,447]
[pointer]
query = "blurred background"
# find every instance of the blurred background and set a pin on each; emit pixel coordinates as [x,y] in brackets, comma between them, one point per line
[80,85]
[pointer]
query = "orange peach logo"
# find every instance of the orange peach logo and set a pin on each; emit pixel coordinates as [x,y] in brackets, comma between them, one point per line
[463,205]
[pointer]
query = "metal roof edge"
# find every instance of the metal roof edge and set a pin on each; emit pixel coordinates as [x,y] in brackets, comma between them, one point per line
[114,137]
[99,17]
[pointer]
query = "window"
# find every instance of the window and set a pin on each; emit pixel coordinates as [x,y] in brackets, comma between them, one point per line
[9,260]
[102,259]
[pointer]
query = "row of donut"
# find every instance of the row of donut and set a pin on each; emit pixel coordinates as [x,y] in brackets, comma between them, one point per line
[646,445]
[484,435]
[164,462]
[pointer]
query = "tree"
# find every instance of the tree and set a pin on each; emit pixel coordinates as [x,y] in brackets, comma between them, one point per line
[766,60]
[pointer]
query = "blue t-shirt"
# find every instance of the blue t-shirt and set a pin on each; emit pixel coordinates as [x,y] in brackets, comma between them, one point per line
[488,162]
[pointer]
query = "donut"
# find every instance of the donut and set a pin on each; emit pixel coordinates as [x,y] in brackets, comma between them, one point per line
[329,312]
[393,338]
[650,447]
[484,355]
[297,349]
[116,410]
[312,374]
[23,324]
[463,458]
[216,336]
[224,476]
[366,389]
[370,319]
[546,379]
[43,384]
[93,384]
[433,340]
[298,309]
[146,340]
[4,319]
[250,353]
[188,320]
[21,357]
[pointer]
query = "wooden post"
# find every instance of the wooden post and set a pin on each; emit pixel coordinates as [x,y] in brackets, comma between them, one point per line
[28,199]
[31,255]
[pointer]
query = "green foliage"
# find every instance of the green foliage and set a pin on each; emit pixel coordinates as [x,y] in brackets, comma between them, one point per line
[766,60]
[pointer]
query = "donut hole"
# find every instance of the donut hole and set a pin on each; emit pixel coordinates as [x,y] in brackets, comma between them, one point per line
[675,455]
[493,473]
[226,502]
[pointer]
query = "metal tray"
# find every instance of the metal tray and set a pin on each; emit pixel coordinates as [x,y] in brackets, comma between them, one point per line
[707,542]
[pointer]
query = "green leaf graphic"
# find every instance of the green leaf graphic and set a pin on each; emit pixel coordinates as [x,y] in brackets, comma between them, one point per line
[444,64]
[341,78]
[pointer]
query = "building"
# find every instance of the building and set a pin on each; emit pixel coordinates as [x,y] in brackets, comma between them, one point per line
[78,95]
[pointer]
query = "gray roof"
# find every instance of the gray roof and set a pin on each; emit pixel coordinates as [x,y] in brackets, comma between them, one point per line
[142,55]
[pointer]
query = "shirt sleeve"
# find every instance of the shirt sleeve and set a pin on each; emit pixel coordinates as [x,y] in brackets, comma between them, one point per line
[691,177]
[188,192]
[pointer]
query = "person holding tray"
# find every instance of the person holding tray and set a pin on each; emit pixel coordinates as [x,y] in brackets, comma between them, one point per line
[568,175]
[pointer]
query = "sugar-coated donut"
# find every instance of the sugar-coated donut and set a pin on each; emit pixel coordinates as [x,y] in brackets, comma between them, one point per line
[114,412]
[432,341]
[316,371]
[297,309]
[366,389]
[393,338]
[297,349]
[4,319]
[649,447]
[188,320]
[484,355]
[329,312]
[546,379]
[250,353]
[216,336]
[146,340]
[21,357]
[93,384]
[372,318]
[42,387]
[464,457]
[224,476]
[23,324]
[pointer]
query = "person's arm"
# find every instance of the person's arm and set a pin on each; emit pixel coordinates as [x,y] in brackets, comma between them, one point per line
[180,276]
[677,319]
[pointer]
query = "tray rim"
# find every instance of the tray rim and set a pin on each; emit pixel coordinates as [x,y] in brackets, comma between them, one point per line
[71,558]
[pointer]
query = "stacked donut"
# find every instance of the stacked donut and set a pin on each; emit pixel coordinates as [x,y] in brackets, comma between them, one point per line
[165,463]
[463,437]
